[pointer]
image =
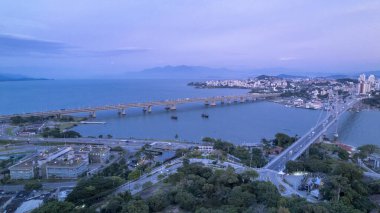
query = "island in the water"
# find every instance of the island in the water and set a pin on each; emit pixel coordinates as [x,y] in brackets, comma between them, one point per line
[13,77]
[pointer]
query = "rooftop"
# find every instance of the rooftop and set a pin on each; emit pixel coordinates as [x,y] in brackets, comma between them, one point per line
[24,165]
[77,160]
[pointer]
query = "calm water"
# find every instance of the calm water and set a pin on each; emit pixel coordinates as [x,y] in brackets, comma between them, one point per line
[237,122]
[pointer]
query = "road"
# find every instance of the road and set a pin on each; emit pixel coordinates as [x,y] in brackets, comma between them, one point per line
[372,175]
[46,186]
[135,186]
[303,143]
[113,142]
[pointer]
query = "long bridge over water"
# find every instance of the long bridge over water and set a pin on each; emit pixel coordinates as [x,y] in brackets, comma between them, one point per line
[314,134]
[147,106]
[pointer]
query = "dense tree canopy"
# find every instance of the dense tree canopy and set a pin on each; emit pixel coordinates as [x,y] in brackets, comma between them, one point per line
[92,190]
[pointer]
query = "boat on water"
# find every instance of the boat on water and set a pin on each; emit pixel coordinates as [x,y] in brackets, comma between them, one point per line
[204,115]
[174,117]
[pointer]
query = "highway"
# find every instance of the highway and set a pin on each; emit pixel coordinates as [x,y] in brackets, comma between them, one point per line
[303,143]
[113,142]
[46,186]
[136,186]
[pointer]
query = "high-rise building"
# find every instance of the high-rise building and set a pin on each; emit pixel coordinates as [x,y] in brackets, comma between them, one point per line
[372,80]
[365,86]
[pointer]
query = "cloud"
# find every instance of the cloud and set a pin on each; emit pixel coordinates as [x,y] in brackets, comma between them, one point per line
[15,45]
[20,46]
[109,53]
[287,58]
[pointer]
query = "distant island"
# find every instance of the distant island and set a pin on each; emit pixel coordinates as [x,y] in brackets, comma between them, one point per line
[13,77]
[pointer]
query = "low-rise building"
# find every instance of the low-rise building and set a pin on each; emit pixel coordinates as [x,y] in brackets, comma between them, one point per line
[298,102]
[67,167]
[206,149]
[99,154]
[374,160]
[60,162]
[96,154]
[165,156]
[24,170]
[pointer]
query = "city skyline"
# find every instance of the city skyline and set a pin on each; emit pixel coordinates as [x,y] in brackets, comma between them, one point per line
[83,39]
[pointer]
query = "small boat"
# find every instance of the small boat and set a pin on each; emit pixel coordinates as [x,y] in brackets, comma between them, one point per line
[173,117]
[204,115]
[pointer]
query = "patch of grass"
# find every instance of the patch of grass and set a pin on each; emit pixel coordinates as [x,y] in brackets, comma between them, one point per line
[5,142]
[9,131]
[67,125]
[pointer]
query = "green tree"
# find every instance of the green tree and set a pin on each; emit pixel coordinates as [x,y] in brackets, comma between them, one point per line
[135,174]
[185,200]
[367,150]
[158,202]
[335,187]
[147,184]
[32,185]
[249,175]
[114,205]
[240,198]
[348,170]
[283,140]
[266,193]
[294,166]
[136,206]
[343,154]
[91,190]
[55,206]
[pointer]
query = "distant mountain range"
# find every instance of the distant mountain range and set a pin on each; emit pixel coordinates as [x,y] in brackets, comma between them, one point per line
[199,72]
[14,77]
[183,72]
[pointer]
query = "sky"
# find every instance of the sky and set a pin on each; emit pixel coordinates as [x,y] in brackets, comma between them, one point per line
[87,38]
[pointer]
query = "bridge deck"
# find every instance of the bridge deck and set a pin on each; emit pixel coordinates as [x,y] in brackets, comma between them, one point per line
[141,105]
[303,143]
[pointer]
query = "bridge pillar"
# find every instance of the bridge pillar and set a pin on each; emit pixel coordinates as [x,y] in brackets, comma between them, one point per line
[93,114]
